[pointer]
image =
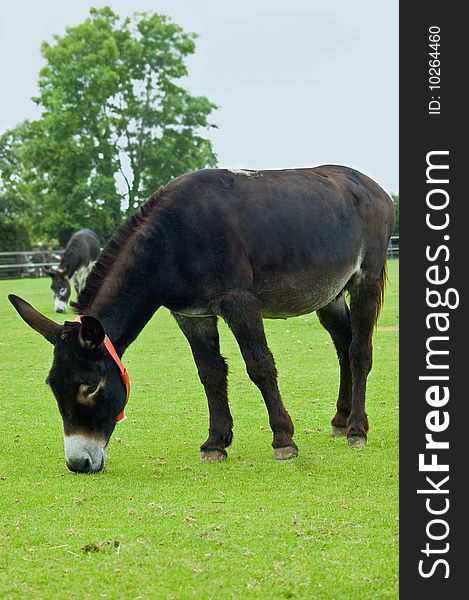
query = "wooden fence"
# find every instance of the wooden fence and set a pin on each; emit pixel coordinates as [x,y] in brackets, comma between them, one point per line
[16,265]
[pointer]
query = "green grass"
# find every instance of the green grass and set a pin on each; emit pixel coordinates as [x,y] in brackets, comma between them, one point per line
[159,524]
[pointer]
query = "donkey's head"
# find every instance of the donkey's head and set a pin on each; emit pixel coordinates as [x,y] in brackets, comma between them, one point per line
[60,288]
[86,382]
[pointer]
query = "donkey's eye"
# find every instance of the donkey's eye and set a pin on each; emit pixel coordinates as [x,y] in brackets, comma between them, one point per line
[87,392]
[91,389]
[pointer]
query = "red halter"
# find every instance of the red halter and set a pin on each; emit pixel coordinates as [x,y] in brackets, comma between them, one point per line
[124,375]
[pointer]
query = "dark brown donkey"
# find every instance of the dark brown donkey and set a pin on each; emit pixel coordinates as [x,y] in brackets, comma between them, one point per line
[241,245]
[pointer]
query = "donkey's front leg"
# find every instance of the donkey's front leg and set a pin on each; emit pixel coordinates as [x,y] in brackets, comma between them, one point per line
[241,310]
[202,335]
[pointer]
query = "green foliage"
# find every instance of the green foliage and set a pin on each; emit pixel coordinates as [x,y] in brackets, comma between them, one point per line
[114,126]
[158,523]
[13,232]
[13,236]
[395,201]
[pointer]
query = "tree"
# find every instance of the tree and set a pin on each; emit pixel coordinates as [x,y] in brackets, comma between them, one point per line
[13,236]
[114,126]
[13,193]
[13,233]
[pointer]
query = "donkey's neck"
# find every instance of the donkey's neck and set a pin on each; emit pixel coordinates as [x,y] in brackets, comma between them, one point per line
[122,290]
[69,263]
[125,311]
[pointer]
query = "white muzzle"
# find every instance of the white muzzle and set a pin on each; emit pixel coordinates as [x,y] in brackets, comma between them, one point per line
[84,454]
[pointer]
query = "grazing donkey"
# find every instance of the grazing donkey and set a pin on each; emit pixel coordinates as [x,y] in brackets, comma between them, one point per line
[241,245]
[77,261]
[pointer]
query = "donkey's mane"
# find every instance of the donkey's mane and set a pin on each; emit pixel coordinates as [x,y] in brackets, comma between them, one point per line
[113,249]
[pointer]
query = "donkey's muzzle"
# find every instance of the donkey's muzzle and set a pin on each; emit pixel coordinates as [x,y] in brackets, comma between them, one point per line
[79,465]
[84,465]
[83,454]
[60,306]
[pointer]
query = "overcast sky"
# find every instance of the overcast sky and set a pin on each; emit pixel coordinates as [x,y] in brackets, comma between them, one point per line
[298,82]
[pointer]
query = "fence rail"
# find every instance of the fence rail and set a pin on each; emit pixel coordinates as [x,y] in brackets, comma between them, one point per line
[16,265]
[393,249]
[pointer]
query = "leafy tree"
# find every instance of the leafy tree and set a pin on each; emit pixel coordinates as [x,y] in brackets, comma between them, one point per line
[114,126]
[13,233]
[13,193]
[13,236]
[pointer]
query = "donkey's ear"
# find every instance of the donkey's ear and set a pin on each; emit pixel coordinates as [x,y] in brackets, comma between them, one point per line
[43,325]
[91,334]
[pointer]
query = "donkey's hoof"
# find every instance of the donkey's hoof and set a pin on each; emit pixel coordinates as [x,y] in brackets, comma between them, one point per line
[338,431]
[356,441]
[285,453]
[211,456]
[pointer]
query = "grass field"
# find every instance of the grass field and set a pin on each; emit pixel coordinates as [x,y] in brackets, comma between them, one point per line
[159,524]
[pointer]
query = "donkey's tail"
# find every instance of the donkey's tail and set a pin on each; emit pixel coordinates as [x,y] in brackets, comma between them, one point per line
[382,283]
[390,219]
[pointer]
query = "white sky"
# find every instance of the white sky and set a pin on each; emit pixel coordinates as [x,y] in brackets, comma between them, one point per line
[298,82]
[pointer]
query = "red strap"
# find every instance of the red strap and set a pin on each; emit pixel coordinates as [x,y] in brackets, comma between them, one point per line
[124,375]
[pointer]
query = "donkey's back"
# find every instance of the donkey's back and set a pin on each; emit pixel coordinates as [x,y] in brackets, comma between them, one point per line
[82,249]
[293,238]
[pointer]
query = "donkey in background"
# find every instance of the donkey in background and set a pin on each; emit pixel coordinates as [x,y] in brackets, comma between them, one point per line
[240,245]
[77,261]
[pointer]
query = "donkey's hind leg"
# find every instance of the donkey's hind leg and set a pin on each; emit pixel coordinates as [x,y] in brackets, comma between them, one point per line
[335,318]
[202,335]
[366,294]
[241,310]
